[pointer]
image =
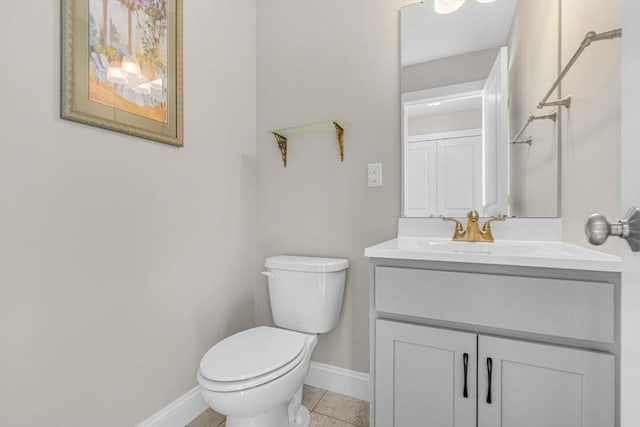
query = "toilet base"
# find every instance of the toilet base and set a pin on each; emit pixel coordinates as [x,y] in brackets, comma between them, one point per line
[302,418]
[276,417]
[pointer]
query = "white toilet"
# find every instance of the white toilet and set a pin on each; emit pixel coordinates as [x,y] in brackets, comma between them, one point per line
[255,377]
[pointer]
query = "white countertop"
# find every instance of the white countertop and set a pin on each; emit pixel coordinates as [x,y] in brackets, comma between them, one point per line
[525,253]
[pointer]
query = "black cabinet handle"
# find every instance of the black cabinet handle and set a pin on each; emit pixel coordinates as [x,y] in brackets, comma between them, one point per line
[465,365]
[489,369]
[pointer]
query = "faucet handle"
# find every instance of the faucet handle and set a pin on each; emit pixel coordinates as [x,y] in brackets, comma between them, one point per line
[487,225]
[458,232]
[449,218]
[486,228]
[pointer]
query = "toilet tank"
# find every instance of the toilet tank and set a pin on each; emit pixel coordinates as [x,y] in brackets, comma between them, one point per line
[306,292]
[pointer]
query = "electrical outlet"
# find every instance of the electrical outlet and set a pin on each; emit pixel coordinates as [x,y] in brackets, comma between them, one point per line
[374,174]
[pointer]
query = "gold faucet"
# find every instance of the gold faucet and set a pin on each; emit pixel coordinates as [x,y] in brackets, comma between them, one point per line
[473,233]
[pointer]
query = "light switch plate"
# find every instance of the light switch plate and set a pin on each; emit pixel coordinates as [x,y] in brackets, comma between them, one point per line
[374,174]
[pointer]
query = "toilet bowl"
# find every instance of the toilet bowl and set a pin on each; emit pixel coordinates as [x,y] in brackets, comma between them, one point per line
[255,377]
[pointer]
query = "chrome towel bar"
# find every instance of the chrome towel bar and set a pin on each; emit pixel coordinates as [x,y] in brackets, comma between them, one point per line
[589,38]
[550,116]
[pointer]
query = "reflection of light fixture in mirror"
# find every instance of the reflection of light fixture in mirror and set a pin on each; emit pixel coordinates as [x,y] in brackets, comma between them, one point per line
[130,66]
[447,6]
[485,1]
[433,104]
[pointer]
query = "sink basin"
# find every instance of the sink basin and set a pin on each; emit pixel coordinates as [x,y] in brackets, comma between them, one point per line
[551,254]
[505,248]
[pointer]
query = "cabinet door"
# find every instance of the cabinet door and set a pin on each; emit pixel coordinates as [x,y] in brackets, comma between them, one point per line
[535,385]
[420,376]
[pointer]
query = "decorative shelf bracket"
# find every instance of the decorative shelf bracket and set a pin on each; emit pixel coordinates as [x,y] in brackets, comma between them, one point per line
[340,136]
[337,126]
[282,145]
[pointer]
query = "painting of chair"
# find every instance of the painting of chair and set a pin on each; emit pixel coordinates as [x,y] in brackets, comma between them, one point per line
[159,90]
[104,61]
[100,72]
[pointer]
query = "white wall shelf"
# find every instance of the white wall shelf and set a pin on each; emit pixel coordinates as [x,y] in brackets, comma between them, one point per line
[282,135]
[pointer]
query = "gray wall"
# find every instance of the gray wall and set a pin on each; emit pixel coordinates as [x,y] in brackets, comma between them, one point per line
[319,61]
[533,66]
[589,152]
[592,127]
[121,260]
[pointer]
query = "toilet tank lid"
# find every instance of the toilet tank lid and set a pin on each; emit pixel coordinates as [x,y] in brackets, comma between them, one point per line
[306,263]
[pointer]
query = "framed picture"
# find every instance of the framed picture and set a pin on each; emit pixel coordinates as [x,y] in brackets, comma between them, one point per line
[122,66]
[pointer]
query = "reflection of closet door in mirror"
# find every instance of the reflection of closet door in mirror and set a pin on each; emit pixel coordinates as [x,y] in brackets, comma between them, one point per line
[459,187]
[420,184]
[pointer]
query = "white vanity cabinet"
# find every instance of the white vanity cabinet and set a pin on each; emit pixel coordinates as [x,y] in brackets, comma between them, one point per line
[533,346]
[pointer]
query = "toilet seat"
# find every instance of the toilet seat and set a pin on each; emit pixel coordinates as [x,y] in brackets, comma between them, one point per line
[229,386]
[251,358]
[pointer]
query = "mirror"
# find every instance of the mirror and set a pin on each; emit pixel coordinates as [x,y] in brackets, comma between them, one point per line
[470,79]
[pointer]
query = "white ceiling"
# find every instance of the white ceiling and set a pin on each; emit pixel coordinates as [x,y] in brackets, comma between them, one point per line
[426,35]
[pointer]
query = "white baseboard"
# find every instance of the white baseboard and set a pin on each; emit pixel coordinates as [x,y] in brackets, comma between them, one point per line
[339,380]
[179,412]
[191,404]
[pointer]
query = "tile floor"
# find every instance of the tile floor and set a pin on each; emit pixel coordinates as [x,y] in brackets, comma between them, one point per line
[327,409]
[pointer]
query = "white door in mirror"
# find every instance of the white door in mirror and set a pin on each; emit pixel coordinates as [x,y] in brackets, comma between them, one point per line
[374,173]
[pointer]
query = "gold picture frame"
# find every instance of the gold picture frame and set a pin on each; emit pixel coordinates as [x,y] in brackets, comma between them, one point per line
[122,66]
